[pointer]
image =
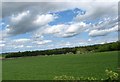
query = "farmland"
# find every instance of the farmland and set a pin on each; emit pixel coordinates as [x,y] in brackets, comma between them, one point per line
[0,69]
[47,67]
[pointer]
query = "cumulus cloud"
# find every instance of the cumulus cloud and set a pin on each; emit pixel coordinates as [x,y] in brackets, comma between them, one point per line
[2,45]
[25,22]
[75,27]
[96,11]
[19,46]
[22,44]
[22,40]
[89,40]
[25,41]
[8,8]
[63,30]
[3,34]
[42,42]
[100,18]
[104,27]
[103,32]
[37,14]
[43,19]
[54,29]
[19,17]
[13,43]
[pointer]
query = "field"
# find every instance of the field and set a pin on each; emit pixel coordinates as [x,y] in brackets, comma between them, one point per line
[0,67]
[47,67]
[0,70]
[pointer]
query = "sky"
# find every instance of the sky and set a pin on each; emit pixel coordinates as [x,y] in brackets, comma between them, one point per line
[37,25]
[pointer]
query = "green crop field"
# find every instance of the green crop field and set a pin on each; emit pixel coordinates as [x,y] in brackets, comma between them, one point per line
[0,70]
[47,67]
[0,55]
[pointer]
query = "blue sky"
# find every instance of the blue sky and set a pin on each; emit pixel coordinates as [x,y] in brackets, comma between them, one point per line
[39,26]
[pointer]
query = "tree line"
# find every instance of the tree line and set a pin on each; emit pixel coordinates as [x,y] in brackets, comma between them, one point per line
[114,46]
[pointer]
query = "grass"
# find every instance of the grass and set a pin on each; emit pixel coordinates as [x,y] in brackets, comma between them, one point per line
[0,67]
[3,55]
[0,55]
[0,70]
[47,67]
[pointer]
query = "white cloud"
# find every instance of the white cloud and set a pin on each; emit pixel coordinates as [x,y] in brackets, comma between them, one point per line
[39,15]
[43,19]
[29,24]
[3,33]
[20,16]
[33,18]
[63,30]
[89,40]
[42,42]
[22,40]
[2,45]
[73,29]
[19,46]
[54,29]
[104,27]
[68,44]
[23,44]
[97,10]
[103,32]
[76,27]
[29,46]
[16,43]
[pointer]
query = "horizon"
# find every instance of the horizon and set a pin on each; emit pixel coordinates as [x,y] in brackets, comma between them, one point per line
[30,26]
[58,48]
